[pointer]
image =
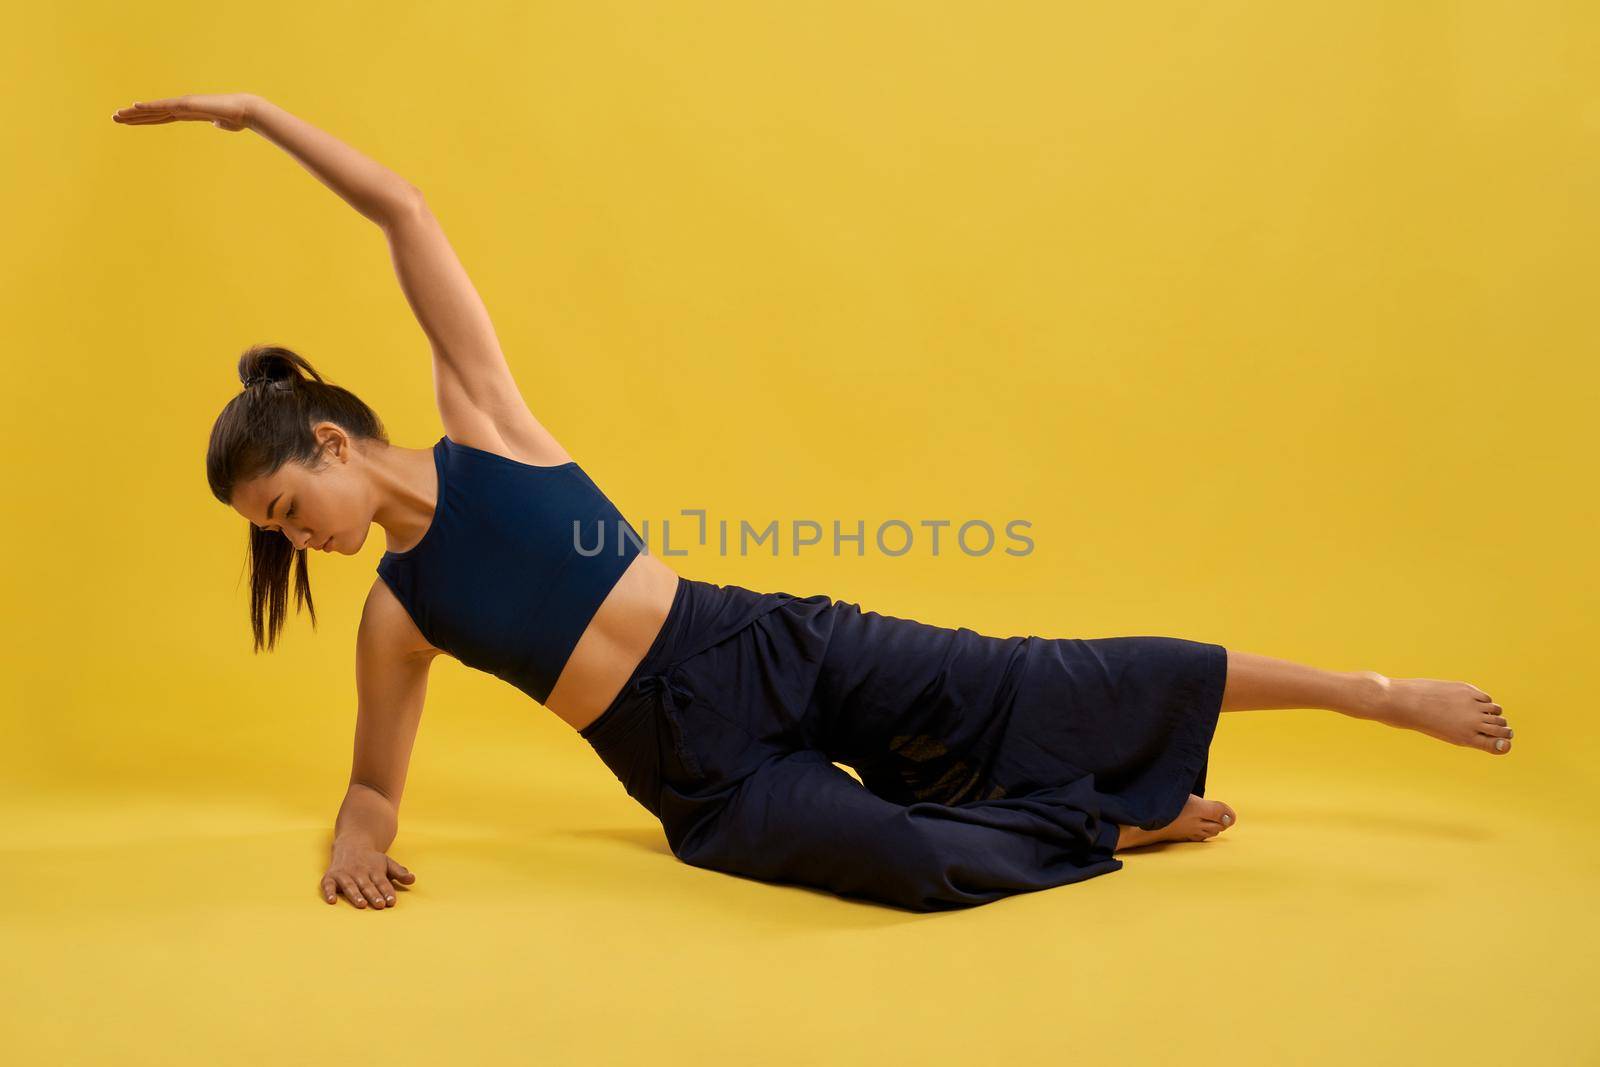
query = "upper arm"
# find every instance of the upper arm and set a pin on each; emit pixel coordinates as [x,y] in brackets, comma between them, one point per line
[479,401]
[392,661]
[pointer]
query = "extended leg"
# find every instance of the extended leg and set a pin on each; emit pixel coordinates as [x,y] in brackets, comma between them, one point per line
[1258,683]
[1457,712]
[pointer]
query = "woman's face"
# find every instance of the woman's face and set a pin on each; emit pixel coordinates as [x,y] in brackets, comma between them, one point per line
[327,509]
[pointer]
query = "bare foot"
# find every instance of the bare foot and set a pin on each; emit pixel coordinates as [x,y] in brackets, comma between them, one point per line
[1457,712]
[1200,820]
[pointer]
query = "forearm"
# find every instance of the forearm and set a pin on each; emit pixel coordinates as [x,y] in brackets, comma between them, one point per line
[374,190]
[367,818]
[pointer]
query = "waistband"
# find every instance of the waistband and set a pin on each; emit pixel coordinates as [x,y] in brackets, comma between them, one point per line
[703,614]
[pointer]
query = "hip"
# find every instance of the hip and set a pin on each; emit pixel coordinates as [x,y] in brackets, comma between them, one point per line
[623,630]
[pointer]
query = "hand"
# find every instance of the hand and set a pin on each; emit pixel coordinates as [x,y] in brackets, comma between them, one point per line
[230,112]
[365,876]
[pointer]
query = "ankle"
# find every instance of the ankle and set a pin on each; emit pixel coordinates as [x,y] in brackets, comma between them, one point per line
[1369,694]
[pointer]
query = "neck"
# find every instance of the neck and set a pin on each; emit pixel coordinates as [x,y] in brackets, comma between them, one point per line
[406,485]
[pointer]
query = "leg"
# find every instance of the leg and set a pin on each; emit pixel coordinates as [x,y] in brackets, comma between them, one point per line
[926,713]
[1258,683]
[799,819]
[918,710]
[1456,712]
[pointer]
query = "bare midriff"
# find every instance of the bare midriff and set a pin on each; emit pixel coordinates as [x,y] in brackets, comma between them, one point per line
[616,639]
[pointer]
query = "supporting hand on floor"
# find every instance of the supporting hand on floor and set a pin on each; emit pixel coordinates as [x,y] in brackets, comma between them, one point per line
[365,876]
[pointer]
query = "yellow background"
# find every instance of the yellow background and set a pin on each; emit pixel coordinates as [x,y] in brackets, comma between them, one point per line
[1276,321]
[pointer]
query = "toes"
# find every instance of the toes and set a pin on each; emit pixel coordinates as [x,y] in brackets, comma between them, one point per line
[1477,693]
[1216,811]
[1495,720]
[1495,746]
[1494,728]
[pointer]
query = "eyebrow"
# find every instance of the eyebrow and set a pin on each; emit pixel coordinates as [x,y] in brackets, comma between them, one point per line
[273,504]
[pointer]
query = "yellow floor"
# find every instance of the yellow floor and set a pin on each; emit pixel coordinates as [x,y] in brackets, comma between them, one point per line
[1383,899]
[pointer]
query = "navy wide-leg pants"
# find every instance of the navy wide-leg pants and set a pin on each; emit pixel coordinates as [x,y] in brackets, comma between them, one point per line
[989,766]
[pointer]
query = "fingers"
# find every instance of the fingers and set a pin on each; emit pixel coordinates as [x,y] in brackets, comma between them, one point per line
[375,889]
[370,891]
[347,885]
[152,112]
[129,117]
[400,874]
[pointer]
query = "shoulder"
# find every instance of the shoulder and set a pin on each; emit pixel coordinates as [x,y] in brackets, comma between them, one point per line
[522,439]
[386,629]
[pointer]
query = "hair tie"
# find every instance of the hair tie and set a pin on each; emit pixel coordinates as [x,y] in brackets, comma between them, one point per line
[282,384]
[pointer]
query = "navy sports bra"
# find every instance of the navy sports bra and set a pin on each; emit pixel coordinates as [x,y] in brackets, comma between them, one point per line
[514,565]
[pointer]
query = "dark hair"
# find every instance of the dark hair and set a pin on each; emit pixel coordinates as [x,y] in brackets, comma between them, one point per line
[267,425]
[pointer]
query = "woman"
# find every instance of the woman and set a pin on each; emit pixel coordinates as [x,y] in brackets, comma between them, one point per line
[989,766]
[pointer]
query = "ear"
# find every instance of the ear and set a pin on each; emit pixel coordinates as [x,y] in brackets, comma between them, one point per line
[334,441]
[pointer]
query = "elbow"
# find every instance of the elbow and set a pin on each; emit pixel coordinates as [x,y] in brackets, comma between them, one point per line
[406,204]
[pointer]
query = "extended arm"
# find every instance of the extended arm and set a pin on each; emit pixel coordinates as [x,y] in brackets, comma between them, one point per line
[479,402]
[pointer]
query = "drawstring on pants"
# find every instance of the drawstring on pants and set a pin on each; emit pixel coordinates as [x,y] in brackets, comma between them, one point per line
[674,697]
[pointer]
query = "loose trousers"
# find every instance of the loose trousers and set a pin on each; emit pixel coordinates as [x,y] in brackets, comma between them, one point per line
[989,765]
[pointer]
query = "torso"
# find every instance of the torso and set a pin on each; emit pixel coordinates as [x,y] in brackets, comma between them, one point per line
[622,628]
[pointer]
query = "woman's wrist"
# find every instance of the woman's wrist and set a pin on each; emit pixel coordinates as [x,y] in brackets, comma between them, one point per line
[253,107]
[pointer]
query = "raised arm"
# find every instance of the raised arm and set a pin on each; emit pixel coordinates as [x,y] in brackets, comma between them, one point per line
[479,402]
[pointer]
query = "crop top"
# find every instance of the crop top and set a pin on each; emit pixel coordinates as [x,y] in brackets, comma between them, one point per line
[516,562]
